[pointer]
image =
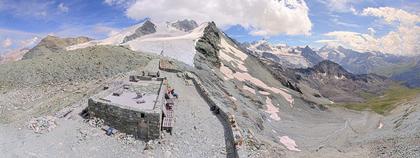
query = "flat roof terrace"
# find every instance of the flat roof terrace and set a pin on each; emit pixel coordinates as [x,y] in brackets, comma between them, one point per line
[139,96]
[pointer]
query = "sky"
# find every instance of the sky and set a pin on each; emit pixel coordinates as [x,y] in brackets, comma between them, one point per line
[389,26]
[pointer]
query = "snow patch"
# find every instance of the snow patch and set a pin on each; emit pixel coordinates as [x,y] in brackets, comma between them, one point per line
[289,143]
[227,73]
[272,110]
[247,77]
[244,76]
[264,93]
[380,125]
[249,89]
[340,78]
[239,56]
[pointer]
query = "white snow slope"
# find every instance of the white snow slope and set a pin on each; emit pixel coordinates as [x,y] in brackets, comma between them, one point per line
[167,41]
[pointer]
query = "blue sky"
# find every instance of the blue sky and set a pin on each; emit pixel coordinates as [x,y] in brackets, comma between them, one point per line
[23,20]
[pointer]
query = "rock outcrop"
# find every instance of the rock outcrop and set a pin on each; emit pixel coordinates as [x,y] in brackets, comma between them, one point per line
[185,25]
[208,44]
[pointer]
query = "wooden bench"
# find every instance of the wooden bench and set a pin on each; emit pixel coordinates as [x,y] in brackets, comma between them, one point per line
[167,124]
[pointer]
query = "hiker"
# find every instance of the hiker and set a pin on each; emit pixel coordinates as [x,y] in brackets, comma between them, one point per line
[175,95]
[172,92]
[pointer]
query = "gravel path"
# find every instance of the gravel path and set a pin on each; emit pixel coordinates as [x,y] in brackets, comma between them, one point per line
[197,131]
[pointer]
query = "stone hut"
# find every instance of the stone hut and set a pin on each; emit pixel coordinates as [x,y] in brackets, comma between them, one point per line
[134,107]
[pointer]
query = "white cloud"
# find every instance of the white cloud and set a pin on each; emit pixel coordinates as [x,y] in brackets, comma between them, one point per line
[404,40]
[371,31]
[6,43]
[326,41]
[341,5]
[338,22]
[29,43]
[63,8]
[122,3]
[392,15]
[261,17]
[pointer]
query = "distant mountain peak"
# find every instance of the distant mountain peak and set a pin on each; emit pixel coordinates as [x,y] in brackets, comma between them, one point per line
[146,28]
[330,68]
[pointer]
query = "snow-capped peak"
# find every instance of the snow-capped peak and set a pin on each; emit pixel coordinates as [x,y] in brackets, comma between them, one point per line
[281,53]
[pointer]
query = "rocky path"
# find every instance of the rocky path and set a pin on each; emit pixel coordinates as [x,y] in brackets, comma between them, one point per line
[197,131]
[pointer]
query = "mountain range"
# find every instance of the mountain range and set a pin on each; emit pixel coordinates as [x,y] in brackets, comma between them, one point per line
[275,92]
[292,57]
[387,65]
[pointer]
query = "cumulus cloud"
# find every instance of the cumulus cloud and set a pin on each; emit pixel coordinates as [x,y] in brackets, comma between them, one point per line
[403,40]
[260,17]
[6,43]
[391,15]
[63,8]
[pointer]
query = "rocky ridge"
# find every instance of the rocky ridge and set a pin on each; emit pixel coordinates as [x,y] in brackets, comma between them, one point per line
[52,44]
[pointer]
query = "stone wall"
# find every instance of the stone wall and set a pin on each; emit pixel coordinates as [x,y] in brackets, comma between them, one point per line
[141,124]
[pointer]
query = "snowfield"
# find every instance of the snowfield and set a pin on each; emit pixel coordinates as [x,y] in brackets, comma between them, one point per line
[113,40]
[171,43]
[167,41]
